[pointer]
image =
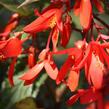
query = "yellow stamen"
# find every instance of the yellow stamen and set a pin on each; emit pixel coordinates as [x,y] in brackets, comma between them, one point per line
[53,22]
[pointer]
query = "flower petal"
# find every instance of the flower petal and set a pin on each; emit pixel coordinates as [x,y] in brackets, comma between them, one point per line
[64,69]
[73,99]
[73,80]
[96,71]
[86,13]
[89,96]
[33,72]
[13,48]
[98,5]
[52,72]
[41,23]
[11,71]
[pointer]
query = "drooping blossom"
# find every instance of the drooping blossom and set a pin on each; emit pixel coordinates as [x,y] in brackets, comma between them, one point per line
[12,23]
[84,9]
[45,62]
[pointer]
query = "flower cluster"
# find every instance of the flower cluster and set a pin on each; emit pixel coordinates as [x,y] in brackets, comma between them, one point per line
[89,54]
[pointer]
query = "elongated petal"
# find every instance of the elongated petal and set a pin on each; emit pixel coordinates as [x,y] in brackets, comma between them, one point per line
[73,99]
[98,5]
[77,7]
[11,71]
[89,96]
[33,72]
[65,37]
[28,82]
[86,13]
[43,54]
[85,58]
[100,103]
[31,60]
[41,23]
[55,38]
[106,56]
[96,72]
[103,36]
[73,80]
[66,51]
[64,69]
[59,19]
[52,72]
[9,28]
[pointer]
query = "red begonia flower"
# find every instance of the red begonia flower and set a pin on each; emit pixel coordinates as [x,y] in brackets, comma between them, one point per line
[48,19]
[13,22]
[10,48]
[46,62]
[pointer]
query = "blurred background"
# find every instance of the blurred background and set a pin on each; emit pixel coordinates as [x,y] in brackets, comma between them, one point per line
[43,93]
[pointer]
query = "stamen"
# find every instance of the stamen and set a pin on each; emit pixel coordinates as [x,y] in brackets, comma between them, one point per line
[53,22]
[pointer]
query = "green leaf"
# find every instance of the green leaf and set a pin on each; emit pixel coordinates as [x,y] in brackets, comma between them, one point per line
[11,95]
[24,36]
[27,2]
[13,7]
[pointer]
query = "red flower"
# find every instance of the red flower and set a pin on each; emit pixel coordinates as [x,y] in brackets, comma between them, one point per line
[51,17]
[95,61]
[87,96]
[47,19]
[74,57]
[46,62]
[10,48]
[13,22]
[84,9]
[85,13]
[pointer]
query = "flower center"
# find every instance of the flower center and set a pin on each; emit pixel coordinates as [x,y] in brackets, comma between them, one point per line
[53,22]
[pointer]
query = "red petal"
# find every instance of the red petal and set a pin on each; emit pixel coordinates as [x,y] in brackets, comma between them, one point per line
[59,19]
[86,13]
[3,44]
[55,38]
[41,23]
[66,51]
[100,103]
[11,71]
[89,96]
[28,82]
[73,80]
[9,28]
[64,69]
[106,57]
[33,72]
[96,71]
[52,72]
[66,32]
[73,99]
[98,5]
[77,7]
[43,54]
[13,48]
[84,60]
[104,37]
[31,60]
